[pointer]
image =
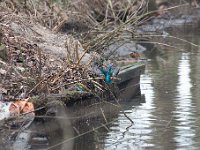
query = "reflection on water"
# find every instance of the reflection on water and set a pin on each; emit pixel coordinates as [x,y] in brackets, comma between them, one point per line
[184,114]
[123,135]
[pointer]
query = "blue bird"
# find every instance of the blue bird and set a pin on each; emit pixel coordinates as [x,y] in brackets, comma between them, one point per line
[109,73]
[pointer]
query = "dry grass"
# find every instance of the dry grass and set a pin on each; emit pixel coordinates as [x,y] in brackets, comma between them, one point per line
[97,15]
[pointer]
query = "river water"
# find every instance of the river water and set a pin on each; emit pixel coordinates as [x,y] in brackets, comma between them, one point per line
[167,114]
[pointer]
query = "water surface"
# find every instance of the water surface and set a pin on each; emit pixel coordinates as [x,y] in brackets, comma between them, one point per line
[168,117]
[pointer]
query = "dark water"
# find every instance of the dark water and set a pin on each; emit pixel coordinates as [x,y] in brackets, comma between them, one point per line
[169,115]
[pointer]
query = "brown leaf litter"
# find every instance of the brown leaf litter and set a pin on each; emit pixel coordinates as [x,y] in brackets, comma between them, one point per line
[37,60]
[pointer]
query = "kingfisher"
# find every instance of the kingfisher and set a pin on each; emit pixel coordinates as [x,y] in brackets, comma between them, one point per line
[109,73]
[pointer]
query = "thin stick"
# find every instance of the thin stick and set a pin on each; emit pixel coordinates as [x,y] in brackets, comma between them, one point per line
[35,86]
[120,106]
[167,45]
[104,115]
[170,36]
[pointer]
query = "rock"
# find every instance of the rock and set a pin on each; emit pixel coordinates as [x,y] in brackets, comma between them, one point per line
[121,49]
